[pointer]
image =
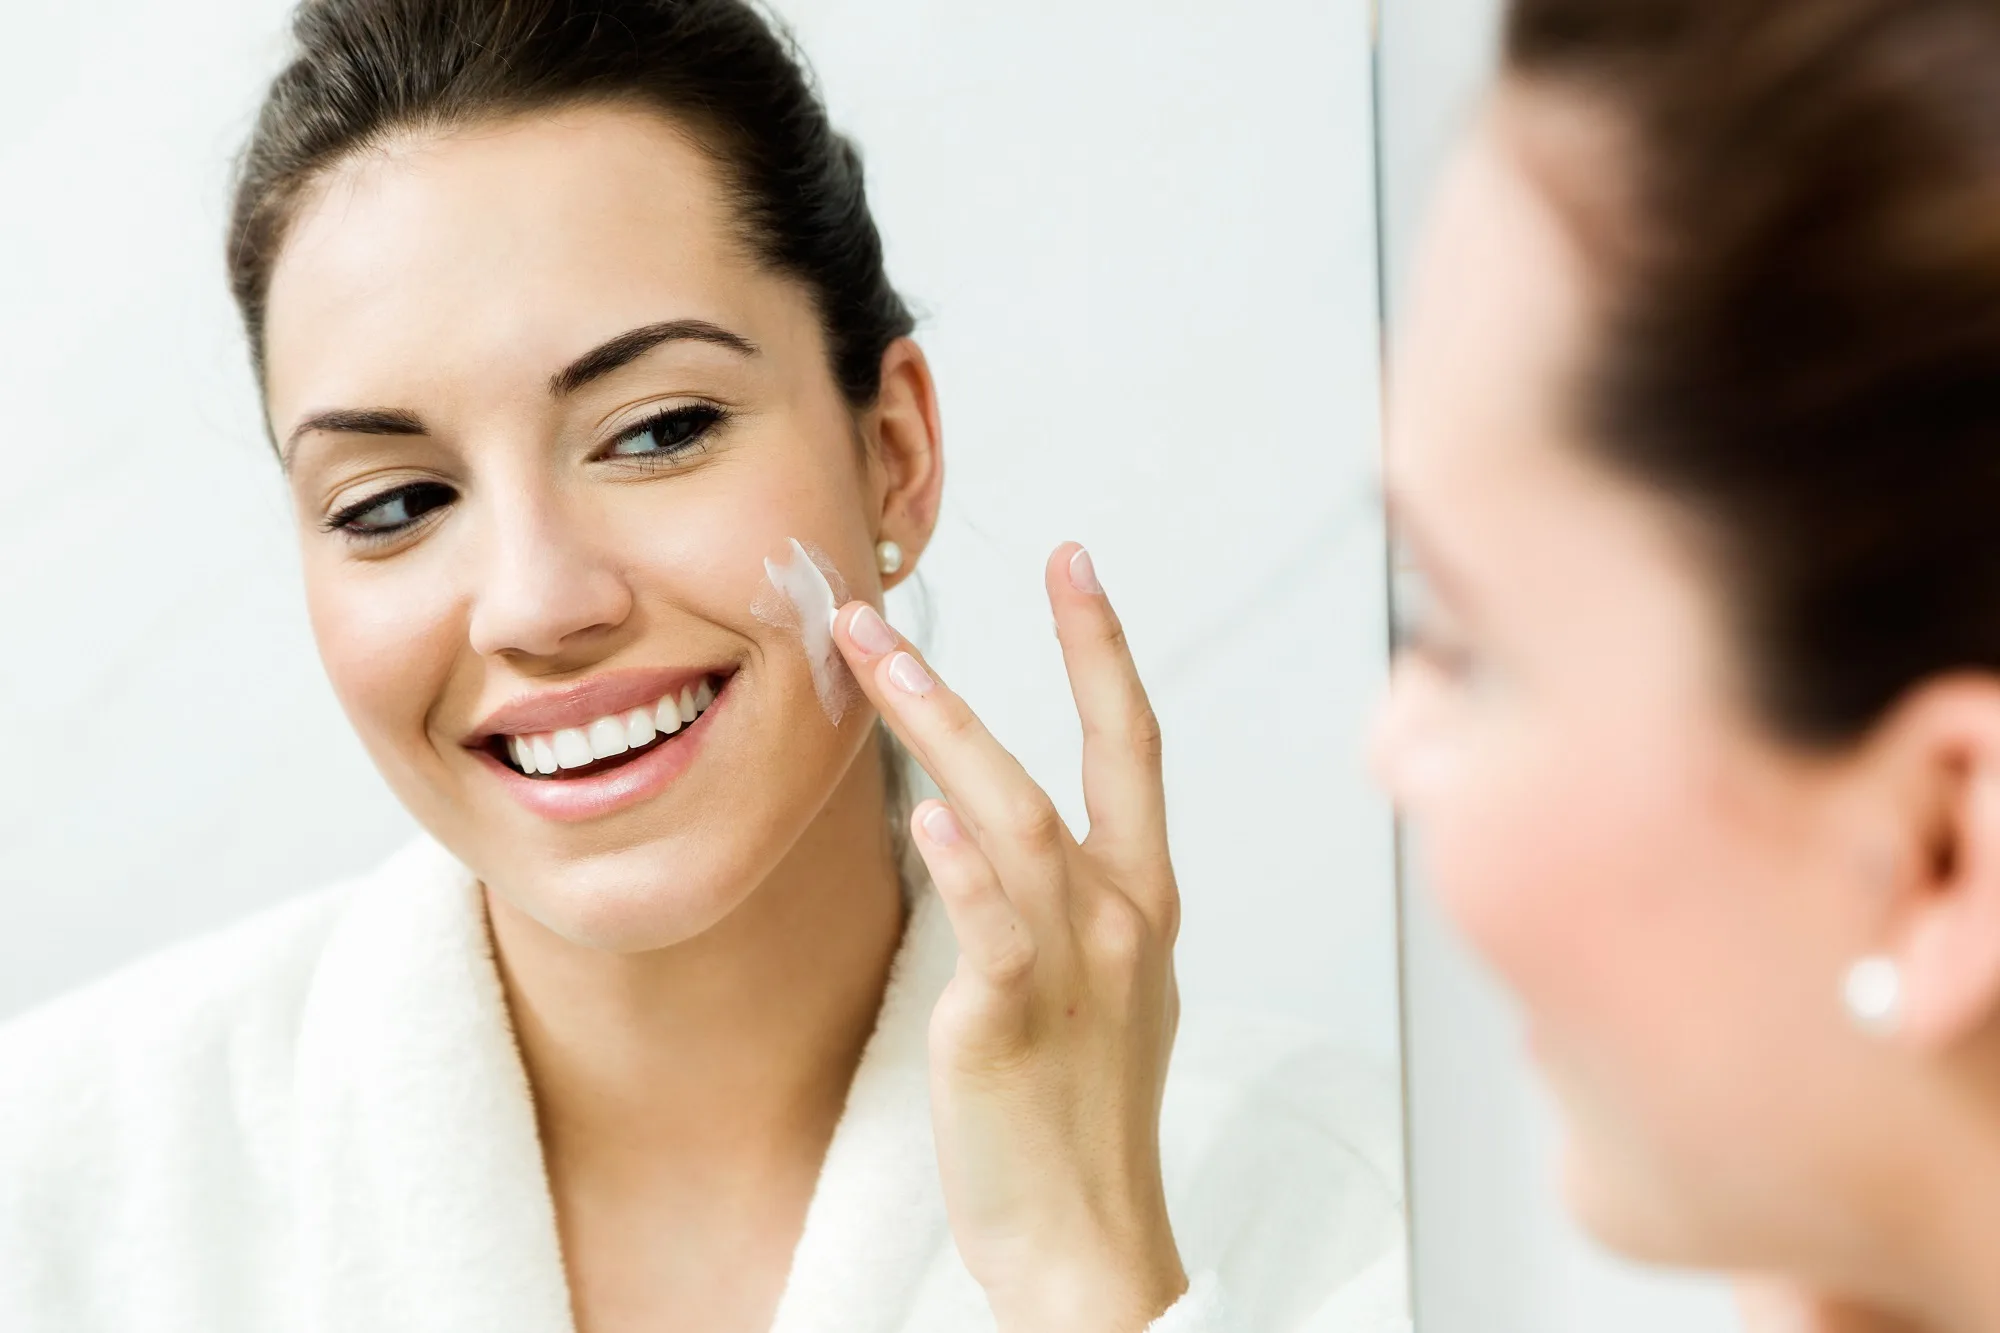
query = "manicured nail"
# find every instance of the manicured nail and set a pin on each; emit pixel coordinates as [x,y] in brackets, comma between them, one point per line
[871,634]
[908,675]
[1083,574]
[941,826]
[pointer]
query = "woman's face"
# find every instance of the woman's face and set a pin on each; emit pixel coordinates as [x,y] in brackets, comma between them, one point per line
[544,420]
[1668,892]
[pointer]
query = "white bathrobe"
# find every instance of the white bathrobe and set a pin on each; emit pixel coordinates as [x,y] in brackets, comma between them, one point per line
[318,1121]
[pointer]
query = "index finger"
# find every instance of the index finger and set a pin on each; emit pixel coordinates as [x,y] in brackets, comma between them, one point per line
[1011,817]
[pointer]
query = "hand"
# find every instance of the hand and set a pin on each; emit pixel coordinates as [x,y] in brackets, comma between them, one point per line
[1049,1047]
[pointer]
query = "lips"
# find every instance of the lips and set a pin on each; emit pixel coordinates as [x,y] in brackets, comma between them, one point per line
[589,748]
[604,761]
[581,704]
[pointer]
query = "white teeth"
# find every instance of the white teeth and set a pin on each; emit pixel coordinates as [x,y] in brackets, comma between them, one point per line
[639,728]
[607,738]
[572,748]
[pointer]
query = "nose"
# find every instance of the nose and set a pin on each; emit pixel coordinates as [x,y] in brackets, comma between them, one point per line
[545,585]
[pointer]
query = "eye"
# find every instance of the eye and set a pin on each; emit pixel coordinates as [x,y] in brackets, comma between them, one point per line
[675,431]
[393,511]
[1421,629]
[1452,659]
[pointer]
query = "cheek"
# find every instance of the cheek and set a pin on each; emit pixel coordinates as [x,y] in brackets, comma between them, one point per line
[1577,859]
[705,549]
[388,637]
[1629,883]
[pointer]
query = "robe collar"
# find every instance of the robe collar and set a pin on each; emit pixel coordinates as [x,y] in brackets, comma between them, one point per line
[422,1201]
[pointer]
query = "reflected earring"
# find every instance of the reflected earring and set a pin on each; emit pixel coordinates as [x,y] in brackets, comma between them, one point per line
[888,556]
[1873,992]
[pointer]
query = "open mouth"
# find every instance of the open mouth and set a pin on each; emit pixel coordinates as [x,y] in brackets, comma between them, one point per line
[608,742]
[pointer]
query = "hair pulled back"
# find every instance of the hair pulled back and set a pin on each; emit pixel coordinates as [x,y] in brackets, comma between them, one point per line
[1802,340]
[367,70]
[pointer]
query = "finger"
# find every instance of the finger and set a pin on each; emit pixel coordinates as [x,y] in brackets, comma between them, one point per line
[1122,784]
[1010,817]
[993,937]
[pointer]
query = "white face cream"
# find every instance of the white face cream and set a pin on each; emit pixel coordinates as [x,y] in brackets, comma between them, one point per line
[803,590]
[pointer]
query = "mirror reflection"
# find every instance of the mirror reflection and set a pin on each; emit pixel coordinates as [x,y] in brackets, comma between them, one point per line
[557,803]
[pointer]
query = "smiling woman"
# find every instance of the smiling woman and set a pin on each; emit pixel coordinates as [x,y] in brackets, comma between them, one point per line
[605,725]
[556,493]
[573,332]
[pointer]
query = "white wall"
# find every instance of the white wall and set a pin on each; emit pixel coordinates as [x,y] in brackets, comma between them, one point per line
[1143,235]
[176,758]
[1494,1251]
[1142,231]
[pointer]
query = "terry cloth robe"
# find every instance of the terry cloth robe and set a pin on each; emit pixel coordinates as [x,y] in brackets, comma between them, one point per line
[318,1120]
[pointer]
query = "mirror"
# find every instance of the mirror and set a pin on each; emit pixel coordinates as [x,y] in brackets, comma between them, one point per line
[1141,246]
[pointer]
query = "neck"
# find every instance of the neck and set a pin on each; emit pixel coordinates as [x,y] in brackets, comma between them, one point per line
[1936,1209]
[726,1056]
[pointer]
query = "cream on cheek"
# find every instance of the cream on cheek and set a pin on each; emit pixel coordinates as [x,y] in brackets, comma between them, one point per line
[801,591]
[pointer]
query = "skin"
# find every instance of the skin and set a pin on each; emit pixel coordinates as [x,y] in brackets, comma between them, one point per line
[691,978]
[1673,891]
[1049,1047]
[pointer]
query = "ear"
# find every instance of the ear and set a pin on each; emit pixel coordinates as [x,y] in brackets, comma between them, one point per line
[1945,921]
[906,448]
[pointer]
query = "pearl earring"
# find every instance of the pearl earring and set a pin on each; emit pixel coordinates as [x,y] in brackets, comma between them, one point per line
[888,557]
[1873,991]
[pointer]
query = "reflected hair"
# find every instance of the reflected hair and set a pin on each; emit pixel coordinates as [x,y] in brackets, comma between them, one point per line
[368,71]
[1799,337]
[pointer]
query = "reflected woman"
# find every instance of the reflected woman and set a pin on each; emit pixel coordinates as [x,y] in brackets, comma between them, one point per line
[1696,445]
[594,402]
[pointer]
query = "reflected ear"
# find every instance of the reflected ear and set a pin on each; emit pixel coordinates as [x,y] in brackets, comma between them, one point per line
[1946,937]
[906,446]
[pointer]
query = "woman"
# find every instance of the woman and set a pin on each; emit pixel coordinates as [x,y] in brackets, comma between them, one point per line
[1695,449]
[594,402]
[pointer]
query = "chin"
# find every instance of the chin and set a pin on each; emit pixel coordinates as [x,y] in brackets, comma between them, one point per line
[631,901]
[1623,1200]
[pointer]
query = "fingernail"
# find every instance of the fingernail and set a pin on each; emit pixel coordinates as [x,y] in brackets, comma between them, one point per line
[908,675]
[941,826]
[1083,574]
[871,634]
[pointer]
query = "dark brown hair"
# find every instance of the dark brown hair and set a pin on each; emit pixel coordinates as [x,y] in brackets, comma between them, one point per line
[366,70]
[1803,344]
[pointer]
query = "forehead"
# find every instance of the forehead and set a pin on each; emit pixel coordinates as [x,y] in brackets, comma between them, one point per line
[501,244]
[1496,328]
[1489,465]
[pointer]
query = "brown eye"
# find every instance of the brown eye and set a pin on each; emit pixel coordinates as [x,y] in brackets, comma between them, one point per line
[671,432]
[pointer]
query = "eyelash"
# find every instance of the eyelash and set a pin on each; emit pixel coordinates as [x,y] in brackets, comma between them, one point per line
[1454,660]
[346,520]
[700,420]
[697,420]
[1414,630]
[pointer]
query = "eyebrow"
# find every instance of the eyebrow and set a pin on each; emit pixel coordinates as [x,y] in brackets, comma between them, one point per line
[355,421]
[599,361]
[628,347]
